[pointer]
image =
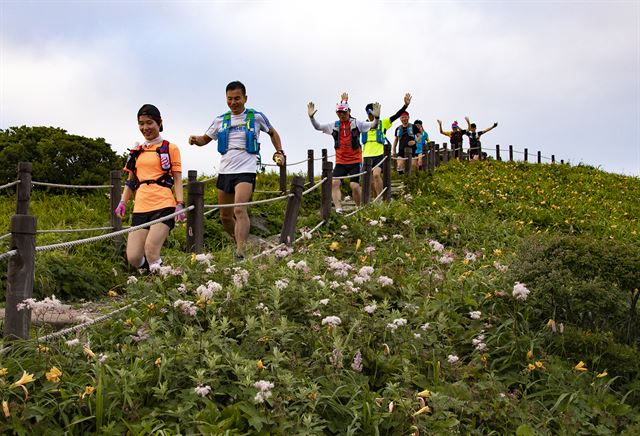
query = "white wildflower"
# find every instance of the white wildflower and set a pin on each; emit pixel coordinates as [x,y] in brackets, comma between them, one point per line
[324,301]
[332,321]
[385,281]
[202,391]
[452,358]
[281,284]
[476,314]
[520,291]
[436,246]
[370,308]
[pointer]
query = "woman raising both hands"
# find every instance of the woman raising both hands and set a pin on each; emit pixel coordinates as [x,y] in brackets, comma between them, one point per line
[155,172]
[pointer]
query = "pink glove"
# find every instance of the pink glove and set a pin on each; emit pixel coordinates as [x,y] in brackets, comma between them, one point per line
[121,209]
[180,217]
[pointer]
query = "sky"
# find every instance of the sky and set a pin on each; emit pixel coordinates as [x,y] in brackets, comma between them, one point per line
[562,77]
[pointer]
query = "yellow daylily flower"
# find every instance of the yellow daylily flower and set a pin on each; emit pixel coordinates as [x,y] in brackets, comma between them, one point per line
[260,365]
[53,375]
[497,252]
[531,367]
[425,409]
[43,348]
[158,362]
[539,364]
[87,391]
[334,246]
[26,378]
[3,372]
[151,306]
[602,374]
[5,408]
[529,354]
[112,293]
[358,242]
[90,354]
[424,394]
[580,366]
[129,322]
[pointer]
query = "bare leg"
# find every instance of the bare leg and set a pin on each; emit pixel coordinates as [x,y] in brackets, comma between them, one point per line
[226,213]
[244,191]
[355,192]
[377,181]
[155,240]
[335,193]
[135,247]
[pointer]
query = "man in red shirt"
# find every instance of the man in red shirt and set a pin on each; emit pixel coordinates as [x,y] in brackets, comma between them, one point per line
[346,137]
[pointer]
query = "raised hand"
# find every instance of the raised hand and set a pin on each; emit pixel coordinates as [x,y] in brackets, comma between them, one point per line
[344,96]
[376,110]
[311,109]
[407,99]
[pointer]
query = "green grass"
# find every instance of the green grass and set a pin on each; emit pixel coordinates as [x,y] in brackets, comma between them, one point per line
[568,233]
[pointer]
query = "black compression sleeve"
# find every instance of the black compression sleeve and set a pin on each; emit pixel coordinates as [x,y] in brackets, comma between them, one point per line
[397,114]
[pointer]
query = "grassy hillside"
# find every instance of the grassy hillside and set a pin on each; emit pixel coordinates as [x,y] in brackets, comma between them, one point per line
[494,297]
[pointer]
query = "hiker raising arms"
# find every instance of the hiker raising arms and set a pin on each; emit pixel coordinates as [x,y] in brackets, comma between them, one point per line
[154,168]
[237,133]
[455,137]
[373,142]
[474,138]
[406,136]
[346,140]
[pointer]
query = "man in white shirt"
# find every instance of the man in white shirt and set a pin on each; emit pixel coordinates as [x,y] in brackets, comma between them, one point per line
[237,133]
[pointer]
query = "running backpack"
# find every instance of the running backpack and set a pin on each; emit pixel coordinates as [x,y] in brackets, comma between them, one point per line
[379,134]
[165,180]
[355,133]
[252,145]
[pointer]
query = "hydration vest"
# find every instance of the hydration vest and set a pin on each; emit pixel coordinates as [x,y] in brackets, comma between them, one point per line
[409,130]
[379,134]
[355,133]
[165,180]
[252,145]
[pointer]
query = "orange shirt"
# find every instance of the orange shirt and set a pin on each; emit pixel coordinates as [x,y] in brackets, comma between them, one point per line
[152,196]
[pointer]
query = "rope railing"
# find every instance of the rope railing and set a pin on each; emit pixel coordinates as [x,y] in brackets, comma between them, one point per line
[379,195]
[58,185]
[112,234]
[93,229]
[250,203]
[8,254]
[301,237]
[350,176]
[6,235]
[317,185]
[10,184]
[267,192]
[78,327]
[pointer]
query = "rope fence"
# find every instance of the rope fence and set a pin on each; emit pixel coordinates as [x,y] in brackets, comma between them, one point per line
[58,185]
[250,203]
[112,234]
[317,185]
[93,229]
[8,254]
[10,184]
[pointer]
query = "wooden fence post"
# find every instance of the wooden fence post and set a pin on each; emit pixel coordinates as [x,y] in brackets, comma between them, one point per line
[498,158]
[325,189]
[553,158]
[539,157]
[445,152]
[115,197]
[310,165]
[386,172]
[408,161]
[562,161]
[510,153]
[366,181]
[432,156]
[425,156]
[192,176]
[288,234]
[283,177]
[23,191]
[195,217]
[526,155]
[324,155]
[20,276]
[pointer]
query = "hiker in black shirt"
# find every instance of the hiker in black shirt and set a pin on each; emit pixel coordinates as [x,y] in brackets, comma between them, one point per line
[405,135]
[474,138]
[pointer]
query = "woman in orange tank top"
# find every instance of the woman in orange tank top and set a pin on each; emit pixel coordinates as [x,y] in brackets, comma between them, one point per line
[153,166]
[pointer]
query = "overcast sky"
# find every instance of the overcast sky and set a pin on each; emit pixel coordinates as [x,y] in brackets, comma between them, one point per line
[562,77]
